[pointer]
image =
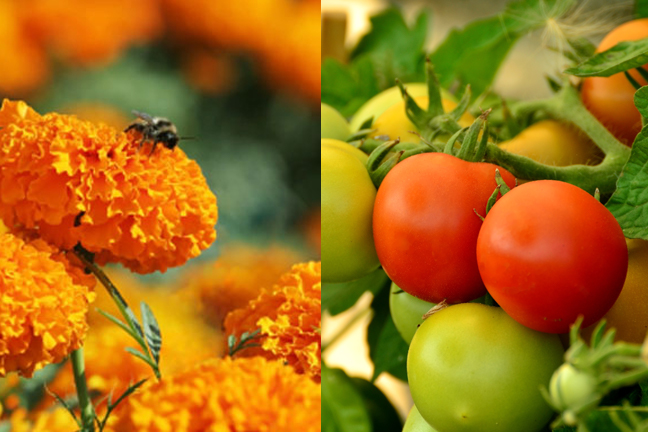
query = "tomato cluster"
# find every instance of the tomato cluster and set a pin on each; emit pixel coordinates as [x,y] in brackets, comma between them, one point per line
[447,230]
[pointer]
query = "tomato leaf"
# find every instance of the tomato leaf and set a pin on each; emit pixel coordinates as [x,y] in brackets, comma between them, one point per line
[390,50]
[338,297]
[474,54]
[387,349]
[384,417]
[343,408]
[641,8]
[621,57]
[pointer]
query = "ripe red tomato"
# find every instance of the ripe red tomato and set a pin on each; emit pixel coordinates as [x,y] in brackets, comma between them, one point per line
[611,99]
[425,226]
[549,252]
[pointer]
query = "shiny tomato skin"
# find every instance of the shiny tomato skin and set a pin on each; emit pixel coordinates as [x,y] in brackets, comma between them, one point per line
[611,99]
[425,226]
[549,252]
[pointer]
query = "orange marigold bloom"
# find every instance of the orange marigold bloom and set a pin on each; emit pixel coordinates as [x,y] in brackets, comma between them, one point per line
[43,311]
[76,182]
[236,277]
[290,318]
[223,395]
[91,31]
[57,419]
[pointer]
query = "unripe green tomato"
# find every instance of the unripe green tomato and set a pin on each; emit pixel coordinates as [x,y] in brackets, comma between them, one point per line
[378,104]
[348,196]
[416,423]
[407,311]
[472,368]
[570,387]
[333,124]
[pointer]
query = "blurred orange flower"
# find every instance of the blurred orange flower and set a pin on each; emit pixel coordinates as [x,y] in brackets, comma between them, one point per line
[235,278]
[58,419]
[92,31]
[290,318]
[76,182]
[43,311]
[26,66]
[208,71]
[225,395]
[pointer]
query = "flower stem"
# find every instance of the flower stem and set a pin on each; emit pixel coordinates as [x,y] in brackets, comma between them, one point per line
[85,404]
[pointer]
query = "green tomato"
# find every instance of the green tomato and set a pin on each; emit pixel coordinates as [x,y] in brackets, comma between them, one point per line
[407,311]
[416,423]
[378,104]
[333,124]
[472,368]
[348,196]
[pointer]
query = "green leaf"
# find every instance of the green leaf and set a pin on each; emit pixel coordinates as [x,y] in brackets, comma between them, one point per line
[384,417]
[641,102]
[140,356]
[343,409]
[621,57]
[151,331]
[338,297]
[117,321]
[474,54]
[390,50]
[641,8]
[629,203]
[387,349]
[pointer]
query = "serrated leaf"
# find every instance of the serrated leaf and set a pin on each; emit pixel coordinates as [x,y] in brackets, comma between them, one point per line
[474,54]
[387,349]
[383,415]
[622,57]
[629,203]
[343,408]
[337,298]
[152,331]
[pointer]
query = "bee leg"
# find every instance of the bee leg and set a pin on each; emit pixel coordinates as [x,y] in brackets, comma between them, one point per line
[155,143]
[141,143]
[130,127]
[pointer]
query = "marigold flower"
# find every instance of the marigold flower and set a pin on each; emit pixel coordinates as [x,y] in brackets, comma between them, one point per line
[223,395]
[235,278]
[76,182]
[57,419]
[43,311]
[290,318]
[85,32]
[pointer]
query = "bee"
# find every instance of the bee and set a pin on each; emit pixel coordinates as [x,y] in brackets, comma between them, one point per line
[154,129]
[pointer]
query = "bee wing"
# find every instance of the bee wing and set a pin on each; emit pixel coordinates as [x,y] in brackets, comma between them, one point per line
[143,116]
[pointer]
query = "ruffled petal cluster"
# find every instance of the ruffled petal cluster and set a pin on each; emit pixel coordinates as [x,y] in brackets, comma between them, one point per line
[76,182]
[222,395]
[42,308]
[290,319]
[57,419]
[85,32]
[236,278]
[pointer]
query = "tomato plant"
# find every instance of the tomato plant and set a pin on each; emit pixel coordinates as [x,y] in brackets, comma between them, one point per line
[377,105]
[549,252]
[554,143]
[333,126]
[611,99]
[425,226]
[347,204]
[394,123]
[570,387]
[407,311]
[473,368]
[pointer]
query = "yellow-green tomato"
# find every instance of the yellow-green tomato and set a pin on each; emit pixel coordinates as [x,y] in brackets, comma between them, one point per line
[416,423]
[377,105]
[472,368]
[394,122]
[333,124]
[407,311]
[554,143]
[348,196]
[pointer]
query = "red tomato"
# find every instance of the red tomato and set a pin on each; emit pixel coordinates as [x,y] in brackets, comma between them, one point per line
[611,99]
[549,252]
[425,226]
